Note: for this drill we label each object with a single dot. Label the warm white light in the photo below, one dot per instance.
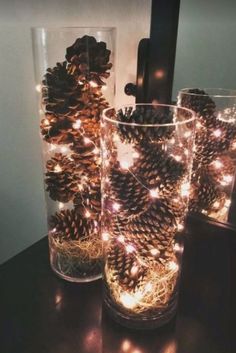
(234, 146)
(134, 271)
(228, 178)
(148, 287)
(87, 214)
(38, 88)
(77, 124)
(177, 158)
(87, 140)
(154, 193)
(186, 152)
(105, 236)
(178, 248)
(185, 189)
(216, 204)
(129, 248)
(57, 168)
(93, 84)
(64, 149)
(173, 266)
(136, 155)
(128, 300)
(96, 150)
(180, 227)
(204, 211)
(227, 202)
(154, 252)
(172, 141)
(198, 125)
(116, 206)
(61, 205)
(217, 133)
(187, 134)
(125, 164)
(126, 345)
(46, 122)
(121, 238)
(217, 164)
(104, 88)
(52, 147)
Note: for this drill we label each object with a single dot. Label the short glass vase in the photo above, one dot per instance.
(147, 153)
(74, 70)
(214, 165)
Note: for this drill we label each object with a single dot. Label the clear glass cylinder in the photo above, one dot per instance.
(75, 81)
(214, 164)
(147, 155)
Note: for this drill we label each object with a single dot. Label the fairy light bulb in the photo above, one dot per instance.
(126, 345)
(173, 266)
(128, 300)
(57, 168)
(216, 204)
(53, 147)
(38, 88)
(77, 124)
(228, 178)
(61, 205)
(121, 238)
(180, 227)
(105, 236)
(116, 206)
(154, 193)
(134, 270)
(177, 158)
(217, 133)
(129, 248)
(46, 122)
(135, 155)
(87, 140)
(198, 125)
(64, 149)
(93, 84)
(125, 164)
(148, 287)
(227, 202)
(217, 164)
(96, 150)
(87, 214)
(185, 189)
(187, 134)
(178, 248)
(154, 252)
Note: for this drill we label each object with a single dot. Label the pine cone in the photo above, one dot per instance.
(89, 59)
(57, 129)
(200, 102)
(61, 93)
(61, 178)
(90, 198)
(94, 102)
(155, 228)
(204, 194)
(125, 266)
(157, 169)
(144, 115)
(70, 225)
(132, 197)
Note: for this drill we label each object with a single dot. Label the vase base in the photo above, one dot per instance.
(77, 279)
(149, 322)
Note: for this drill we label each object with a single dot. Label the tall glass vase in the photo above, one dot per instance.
(75, 81)
(147, 153)
(214, 164)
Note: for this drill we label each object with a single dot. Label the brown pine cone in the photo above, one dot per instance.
(89, 59)
(61, 178)
(70, 225)
(61, 93)
(57, 129)
(144, 115)
(127, 271)
(132, 197)
(94, 103)
(90, 198)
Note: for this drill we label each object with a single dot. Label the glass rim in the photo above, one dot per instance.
(213, 92)
(194, 116)
(65, 28)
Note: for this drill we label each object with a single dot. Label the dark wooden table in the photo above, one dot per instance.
(40, 313)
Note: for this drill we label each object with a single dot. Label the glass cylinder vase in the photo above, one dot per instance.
(75, 81)
(214, 164)
(146, 167)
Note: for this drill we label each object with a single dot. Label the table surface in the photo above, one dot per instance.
(41, 313)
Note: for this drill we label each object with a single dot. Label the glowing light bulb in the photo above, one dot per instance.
(125, 164)
(129, 248)
(87, 214)
(148, 287)
(177, 158)
(116, 206)
(61, 205)
(154, 252)
(216, 204)
(93, 84)
(134, 271)
(172, 141)
(180, 227)
(38, 88)
(87, 140)
(57, 168)
(105, 236)
(178, 248)
(104, 87)
(154, 193)
(187, 134)
(46, 122)
(77, 124)
(185, 189)
(198, 125)
(127, 300)
(135, 155)
(173, 266)
(186, 152)
(228, 178)
(217, 133)
(64, 149)
(121, 238)
(217, 164)
(96, 150)
(53, 147)
(126, 345)
(227, 202)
